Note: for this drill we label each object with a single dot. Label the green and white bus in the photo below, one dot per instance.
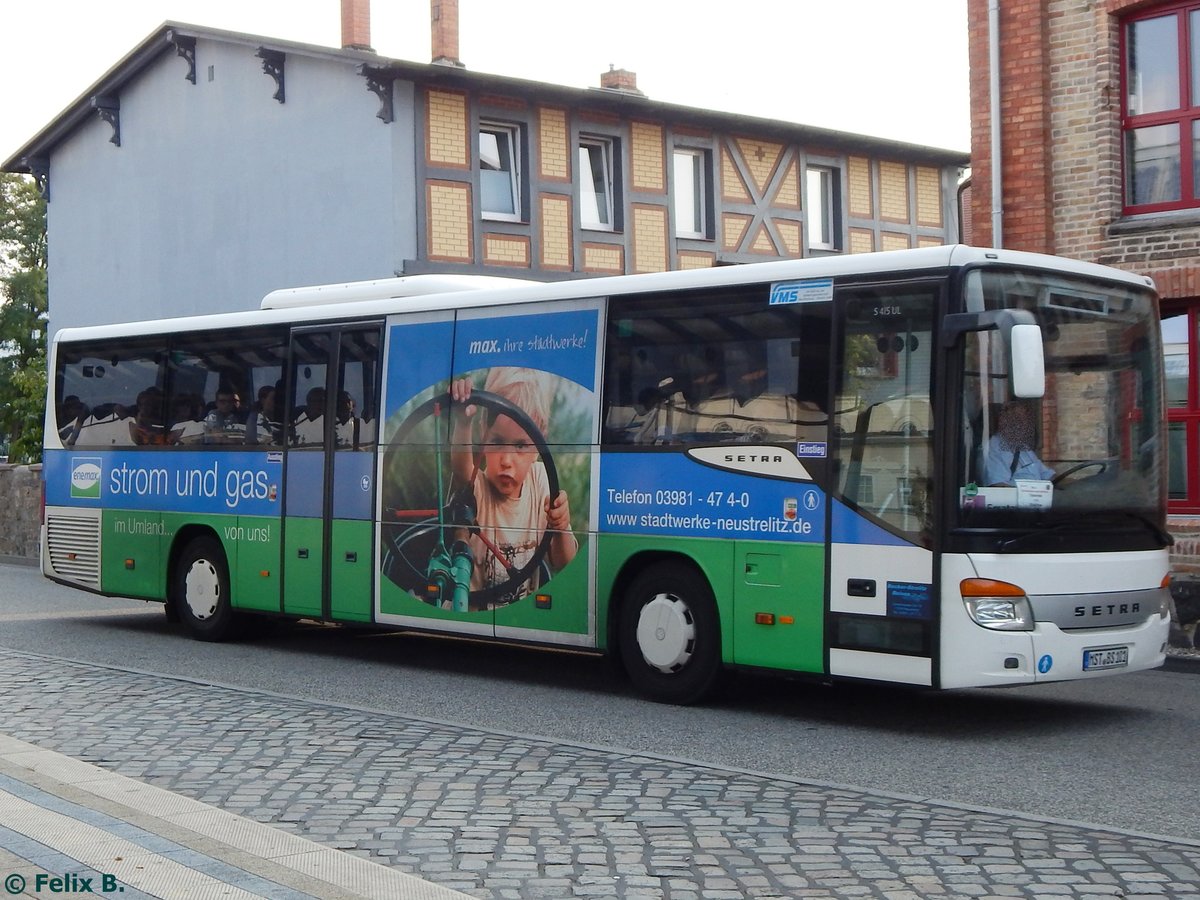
(942, 467)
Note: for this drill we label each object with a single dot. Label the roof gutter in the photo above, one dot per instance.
(994, 109)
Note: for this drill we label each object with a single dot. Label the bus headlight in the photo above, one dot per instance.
(997, 604)
(1164, 602)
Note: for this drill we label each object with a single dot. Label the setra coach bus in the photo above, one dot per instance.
(941, 467)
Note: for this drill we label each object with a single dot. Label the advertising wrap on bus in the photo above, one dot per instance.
(182, 481)
(486, 477)
(691, 496)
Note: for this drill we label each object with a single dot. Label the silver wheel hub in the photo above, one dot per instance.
(666, 633)
(202, 589)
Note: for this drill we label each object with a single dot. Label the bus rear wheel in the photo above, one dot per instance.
(200, 590)
(670, 639)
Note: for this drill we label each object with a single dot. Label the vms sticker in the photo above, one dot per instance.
(808, 290)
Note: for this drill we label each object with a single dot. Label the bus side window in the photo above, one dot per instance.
(71, 413)
(726, 367)
(356, 400)
(105, 386)
(222, 386)
(633, 398)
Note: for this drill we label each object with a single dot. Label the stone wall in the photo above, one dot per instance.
(21, 498)
(1185, 579)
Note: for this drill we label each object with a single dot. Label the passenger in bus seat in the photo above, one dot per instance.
(225, 423)
(513, 506)
(186, 425)
(264, 424)
(107, 426)
(309, 426)
(347, 427)
(632, 416)
(147, 426)
(1010, 455)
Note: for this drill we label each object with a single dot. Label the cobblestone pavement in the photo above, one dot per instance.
(499, 815)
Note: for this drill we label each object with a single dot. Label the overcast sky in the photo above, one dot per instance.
(876, 67)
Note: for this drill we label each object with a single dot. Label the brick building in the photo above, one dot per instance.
(1099, 159)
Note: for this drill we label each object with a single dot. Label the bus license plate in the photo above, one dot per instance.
(1105, 658)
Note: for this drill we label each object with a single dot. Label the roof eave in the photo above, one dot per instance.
(42, 144)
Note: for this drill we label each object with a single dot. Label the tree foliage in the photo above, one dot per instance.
(23, 306)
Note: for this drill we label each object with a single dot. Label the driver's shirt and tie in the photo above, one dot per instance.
(1005, 465)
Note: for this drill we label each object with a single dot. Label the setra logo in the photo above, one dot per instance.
(85, 477)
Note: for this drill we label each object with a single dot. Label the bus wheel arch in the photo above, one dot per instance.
(668, 630)
(199, 591)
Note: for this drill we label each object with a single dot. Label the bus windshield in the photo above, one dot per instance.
(1089, 453)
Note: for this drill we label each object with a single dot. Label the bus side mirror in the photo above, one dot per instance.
(1023, 337)
(1027, 367)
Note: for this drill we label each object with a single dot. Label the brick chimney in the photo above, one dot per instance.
(356, 25)
(443, 20)
(619, 80)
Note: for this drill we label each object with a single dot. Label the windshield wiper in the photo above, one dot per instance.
(1153, 527)
(1076, 521)
(1041, 532)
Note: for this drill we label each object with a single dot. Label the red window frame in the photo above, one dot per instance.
(1185, 115)
(1189, 415)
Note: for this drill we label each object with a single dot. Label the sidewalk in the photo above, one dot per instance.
(70, 828)
(192, 790)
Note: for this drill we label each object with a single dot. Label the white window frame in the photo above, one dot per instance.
(690, 174)
(866, 489)
(596, 212)
(508, 142)
(820, 195)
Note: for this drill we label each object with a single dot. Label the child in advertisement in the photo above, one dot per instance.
(513, 505)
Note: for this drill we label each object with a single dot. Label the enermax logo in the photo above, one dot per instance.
(85, 477)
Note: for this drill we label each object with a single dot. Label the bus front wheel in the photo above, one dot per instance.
(670, 640)
(201, 590)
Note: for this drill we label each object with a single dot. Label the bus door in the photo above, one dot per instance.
(332, 386)
(491, 416)
(882, 594)
(425, 566)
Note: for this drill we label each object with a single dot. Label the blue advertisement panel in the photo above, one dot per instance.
(246, 483)
(417, 359)
(353, 485)
(563, 344)
(851, 527)
(678, 495)
(305, 484)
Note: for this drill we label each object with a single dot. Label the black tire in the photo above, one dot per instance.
(676, 658)
(200, 590)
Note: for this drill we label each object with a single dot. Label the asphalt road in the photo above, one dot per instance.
(1119, 752)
